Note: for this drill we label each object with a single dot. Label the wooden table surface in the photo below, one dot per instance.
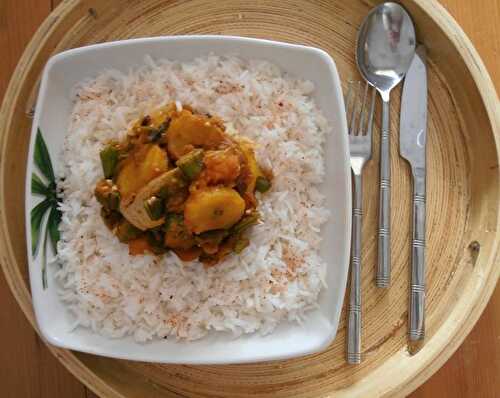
(27, 369)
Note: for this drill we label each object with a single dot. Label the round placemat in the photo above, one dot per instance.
(462, 203)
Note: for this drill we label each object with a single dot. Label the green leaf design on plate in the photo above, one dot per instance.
(37, 214)
(44, 262)
(49, 205)
(42, 157)
(53, 227)
(37, 186)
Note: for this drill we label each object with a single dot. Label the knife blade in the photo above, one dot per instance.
(412, 147)
(413, 121)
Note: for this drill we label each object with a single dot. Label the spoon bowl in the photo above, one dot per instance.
(386, 46)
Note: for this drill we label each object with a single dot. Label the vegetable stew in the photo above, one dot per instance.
(180, 182)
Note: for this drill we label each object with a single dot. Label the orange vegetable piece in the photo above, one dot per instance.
(188, 254)
(139, 246)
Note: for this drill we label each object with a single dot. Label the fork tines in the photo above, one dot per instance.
(360, 121)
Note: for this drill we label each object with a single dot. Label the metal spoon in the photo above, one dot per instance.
(385, 49)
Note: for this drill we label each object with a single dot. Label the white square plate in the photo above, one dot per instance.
(52, 112)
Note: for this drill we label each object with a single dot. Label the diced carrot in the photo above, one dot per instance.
(188, 254)
(139, 246)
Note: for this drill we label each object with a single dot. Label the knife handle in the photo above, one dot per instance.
(417, 288)
(384, 220)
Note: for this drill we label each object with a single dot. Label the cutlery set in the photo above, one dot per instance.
(386, 54)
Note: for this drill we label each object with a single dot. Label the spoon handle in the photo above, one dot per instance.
(384, 225)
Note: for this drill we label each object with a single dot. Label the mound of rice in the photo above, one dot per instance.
(277, 278)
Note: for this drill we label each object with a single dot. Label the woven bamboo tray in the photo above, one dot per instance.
(463, 196)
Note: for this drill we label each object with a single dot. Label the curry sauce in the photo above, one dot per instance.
(180, 182)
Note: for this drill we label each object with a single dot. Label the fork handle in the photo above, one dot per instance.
(354, 321)
(384, 221)
(417, 287)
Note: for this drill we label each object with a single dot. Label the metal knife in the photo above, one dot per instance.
(412, 144)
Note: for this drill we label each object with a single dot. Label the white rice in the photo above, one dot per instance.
(277, 278)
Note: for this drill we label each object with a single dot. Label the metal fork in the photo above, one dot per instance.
(360, 145)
